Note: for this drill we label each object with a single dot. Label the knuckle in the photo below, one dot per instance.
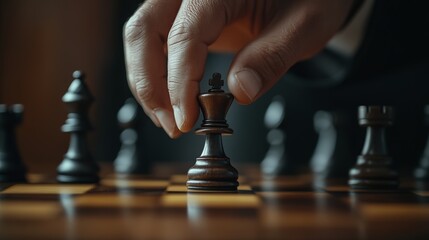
(186, 26)
(174, 85)
(180, 33)
(274, 59)
(132, 30)
(144, 92)
(135, 27)
(189, 24)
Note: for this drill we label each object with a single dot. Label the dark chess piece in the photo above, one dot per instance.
(332, 155)
(373, 169)
(276, 162)
(129, 159)
(422, 171)
(78, 166)
(12, 168)
(212, 170)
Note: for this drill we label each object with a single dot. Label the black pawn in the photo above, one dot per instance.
(276, 161)
(12, 168)
(78, 166)
(129, 159)
(373, 169)
(422, 171)
(212, 170)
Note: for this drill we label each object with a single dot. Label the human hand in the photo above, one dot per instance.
(166, 44)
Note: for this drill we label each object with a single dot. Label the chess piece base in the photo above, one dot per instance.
(82, 170)
(14, 178)
(212, 173)
(12, 169)
(77, 179)
(373, 184)
(212, 185)
(373, 172)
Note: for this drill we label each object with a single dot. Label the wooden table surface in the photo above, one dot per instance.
(149, 207)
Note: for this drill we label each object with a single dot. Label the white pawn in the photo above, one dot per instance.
(276, 161)
(129, 159)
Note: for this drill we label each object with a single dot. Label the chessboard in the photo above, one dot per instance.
(159, 206)
(137, 198)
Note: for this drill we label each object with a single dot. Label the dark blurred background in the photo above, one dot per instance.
(43, 42)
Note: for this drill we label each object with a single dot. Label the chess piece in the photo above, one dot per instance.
(373, 169)
(212, 170)
(422, 171)
(129, 159)
(276, 162)
(331, 157)
(12, 168)
(78, 166)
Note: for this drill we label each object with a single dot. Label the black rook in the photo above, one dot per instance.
(374, 166)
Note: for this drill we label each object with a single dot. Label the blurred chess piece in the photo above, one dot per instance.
(212, 170)
(78, 166)
(276, 162)
(373, 169)
(129, 159)
(422, 171)
(12, 168)
(332, 155)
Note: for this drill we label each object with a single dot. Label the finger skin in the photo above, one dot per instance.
(280, 34)
(298, 31)
(145, 34)
(197, 25)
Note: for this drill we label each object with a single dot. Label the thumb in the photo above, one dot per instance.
(295, 37)
(258, 66)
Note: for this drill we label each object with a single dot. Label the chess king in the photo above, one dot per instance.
(212, 170)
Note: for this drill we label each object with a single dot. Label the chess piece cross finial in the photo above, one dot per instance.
(216, 82)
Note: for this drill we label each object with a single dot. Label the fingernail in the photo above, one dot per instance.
(165, 118)
(249, 82)
(178, 115)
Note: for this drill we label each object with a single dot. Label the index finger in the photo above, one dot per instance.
(197, 25)
(144, 39)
